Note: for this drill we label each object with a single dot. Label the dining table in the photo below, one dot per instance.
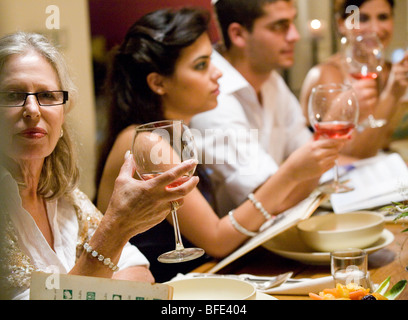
(390, 261)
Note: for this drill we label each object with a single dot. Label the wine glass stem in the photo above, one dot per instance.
(177, 235)
(336, 173)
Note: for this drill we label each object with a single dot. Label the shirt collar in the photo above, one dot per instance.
(231, 80)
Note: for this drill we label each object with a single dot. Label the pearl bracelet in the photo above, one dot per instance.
(259, 206)
(240, 228)
(106, 261)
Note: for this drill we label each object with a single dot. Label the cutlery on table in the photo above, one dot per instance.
(260, 283)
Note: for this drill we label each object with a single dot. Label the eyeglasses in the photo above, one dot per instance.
(45, 98)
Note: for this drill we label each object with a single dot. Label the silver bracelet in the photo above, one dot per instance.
(240, 228)
(106, 261)
(259, 206)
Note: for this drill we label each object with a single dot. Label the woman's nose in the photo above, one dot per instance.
(32, 108)
(216, 74)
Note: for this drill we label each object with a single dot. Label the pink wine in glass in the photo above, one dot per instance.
(362, 76)
(333, 130)
(174, 184)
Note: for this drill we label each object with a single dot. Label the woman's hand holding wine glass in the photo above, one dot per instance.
(364, 58)
(333, 114)
(157, 148)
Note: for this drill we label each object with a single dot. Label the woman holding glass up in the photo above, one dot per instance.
(379, 96)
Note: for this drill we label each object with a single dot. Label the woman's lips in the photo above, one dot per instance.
(216, 91)
(33, 133)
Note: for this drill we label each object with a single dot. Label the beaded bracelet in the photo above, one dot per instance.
(240, 228)
(106, 261)
(259, 206)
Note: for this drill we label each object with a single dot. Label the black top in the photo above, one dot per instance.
(160, 239)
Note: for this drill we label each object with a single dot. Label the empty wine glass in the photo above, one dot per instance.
(158, 147)
(333, 113)
(364, 57)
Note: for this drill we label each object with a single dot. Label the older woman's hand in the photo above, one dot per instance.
(137, 206)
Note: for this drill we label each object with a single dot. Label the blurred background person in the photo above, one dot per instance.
(381, 97)
(259, 39)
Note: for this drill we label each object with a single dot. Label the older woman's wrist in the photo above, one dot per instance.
(109, 239)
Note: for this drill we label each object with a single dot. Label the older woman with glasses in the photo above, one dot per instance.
(47, 222)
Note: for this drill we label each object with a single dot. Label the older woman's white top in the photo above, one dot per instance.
(25, 243)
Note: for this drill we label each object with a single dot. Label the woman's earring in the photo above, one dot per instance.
(62, 133)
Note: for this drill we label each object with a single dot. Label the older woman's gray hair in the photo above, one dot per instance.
(60, 173)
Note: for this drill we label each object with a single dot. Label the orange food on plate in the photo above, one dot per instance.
(350, 291)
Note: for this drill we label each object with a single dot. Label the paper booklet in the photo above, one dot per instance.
(377, 182)
(54, 286)
(283, 222)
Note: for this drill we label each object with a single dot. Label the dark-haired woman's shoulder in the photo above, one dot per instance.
(113, 164)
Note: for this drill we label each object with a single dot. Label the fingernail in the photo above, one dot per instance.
(127, 154)
(191, 162)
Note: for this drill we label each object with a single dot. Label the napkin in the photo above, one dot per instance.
(303, 287)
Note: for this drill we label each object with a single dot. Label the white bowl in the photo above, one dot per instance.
(332, 232)
(212, 288)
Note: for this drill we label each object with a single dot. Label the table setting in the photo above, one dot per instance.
(309, 269)
(269, 285)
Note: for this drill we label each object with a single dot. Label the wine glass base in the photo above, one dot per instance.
(183, 255)
(335, 188)
(375, 123)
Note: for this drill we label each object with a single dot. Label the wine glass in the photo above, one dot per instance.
(364, 57)
(158, 147)
(333, 113)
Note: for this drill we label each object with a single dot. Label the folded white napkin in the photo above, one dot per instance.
(303, 287)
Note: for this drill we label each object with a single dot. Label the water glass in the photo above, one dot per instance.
(350, 266)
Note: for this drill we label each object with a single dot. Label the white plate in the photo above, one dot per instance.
(212, 288)
(289, 245)
(264, 296)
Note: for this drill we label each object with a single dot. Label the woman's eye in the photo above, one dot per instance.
(384, 17)
(201, 65)
(364, 18)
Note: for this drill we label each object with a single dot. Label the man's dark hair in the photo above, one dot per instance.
(244, 12)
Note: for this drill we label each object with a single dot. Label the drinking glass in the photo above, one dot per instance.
(350, 266)
(364, 57)
(158, 147)
(333, 114)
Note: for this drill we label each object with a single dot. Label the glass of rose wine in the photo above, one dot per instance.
(364, 57)
(333, 113)
(158, 147)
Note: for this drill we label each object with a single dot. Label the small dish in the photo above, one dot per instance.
(332, 232)
(289, 245)
(212, 288)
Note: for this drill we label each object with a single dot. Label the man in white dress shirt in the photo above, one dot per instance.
(258, 123)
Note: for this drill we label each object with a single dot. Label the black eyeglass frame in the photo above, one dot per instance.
(65, 98)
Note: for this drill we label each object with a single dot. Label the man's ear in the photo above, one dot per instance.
(155, 82)
(237, 34)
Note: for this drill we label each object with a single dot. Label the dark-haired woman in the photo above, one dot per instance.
(380, 97)
(163, 70)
